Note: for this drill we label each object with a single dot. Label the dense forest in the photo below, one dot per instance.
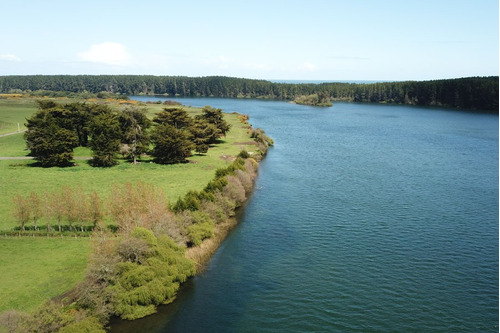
(474, 93)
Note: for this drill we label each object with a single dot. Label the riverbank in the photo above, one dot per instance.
(202, 253)
(201, 220)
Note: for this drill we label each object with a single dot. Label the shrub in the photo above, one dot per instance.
(11, 320)
(245, 179)
(49, 318)
(145, 235)
(138, 287)
(234, 190)
(198, 232)
(244, 154)
(134, 250)
(227, 205)
(215, 212)
(215, 185)
(86, 325)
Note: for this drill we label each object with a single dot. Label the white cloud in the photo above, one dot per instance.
(258, 66)
(9, 57)
(307, 66)
(220, 62)
(108, 53)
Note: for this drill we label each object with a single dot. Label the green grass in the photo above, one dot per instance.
(37, 269)
(13, 112)
(13, 145)
(20, 176)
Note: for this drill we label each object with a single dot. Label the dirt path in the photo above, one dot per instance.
(4, 158)
(12, 133)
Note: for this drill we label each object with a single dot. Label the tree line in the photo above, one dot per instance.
(56, 129)
(480, 93)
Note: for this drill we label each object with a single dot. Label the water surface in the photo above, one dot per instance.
(365, 218)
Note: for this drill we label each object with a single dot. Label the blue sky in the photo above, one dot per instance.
(270, 39)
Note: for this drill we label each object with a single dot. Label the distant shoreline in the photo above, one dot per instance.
(470, 93)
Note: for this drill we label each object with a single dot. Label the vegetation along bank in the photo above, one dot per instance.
(138, 238)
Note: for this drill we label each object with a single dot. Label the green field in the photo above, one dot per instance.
(37, 269)
(32, 267)
(13, 112)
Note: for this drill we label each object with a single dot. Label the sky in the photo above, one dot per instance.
(327, 40)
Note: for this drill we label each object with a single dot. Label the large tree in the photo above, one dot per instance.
(176, 117)
(171, 145)
(134, 124)
(80, 115)
(50, 136)
(202, 134)
(214, 116)
(105, 138)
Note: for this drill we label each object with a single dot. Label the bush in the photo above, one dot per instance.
(246, 180)
(138, 287)
(87, 325)
(215, 212)
(198, 232)
(11, 320)
(215, 185)
(234, 190)
(51, 317)
(244, 154)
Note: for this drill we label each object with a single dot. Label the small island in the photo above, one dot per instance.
(319, 99)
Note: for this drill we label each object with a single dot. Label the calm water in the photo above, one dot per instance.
(365, 218)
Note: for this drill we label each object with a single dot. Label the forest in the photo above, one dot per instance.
(472, 93)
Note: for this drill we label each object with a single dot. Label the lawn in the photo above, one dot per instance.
(14, 111)
(36, 269)
(13, 145)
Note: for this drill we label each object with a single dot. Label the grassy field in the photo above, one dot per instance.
(14, 111)
(37, 269)
(13, 145)
(34, 270)
(20, 176)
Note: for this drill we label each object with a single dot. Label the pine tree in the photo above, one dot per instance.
(171, 145)
(105, 139)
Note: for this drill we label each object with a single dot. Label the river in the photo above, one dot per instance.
(365, 218)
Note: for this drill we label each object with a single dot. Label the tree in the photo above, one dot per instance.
(35, 208)
(50, 138)
(71, 209)
(81, 115)
(214, 116)
(96, 211)
(176, 117)
(56, 207)
(203, 133)
(21, 210)
(105, 139)
(134, 124)
(171, 145)
(82, 207)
